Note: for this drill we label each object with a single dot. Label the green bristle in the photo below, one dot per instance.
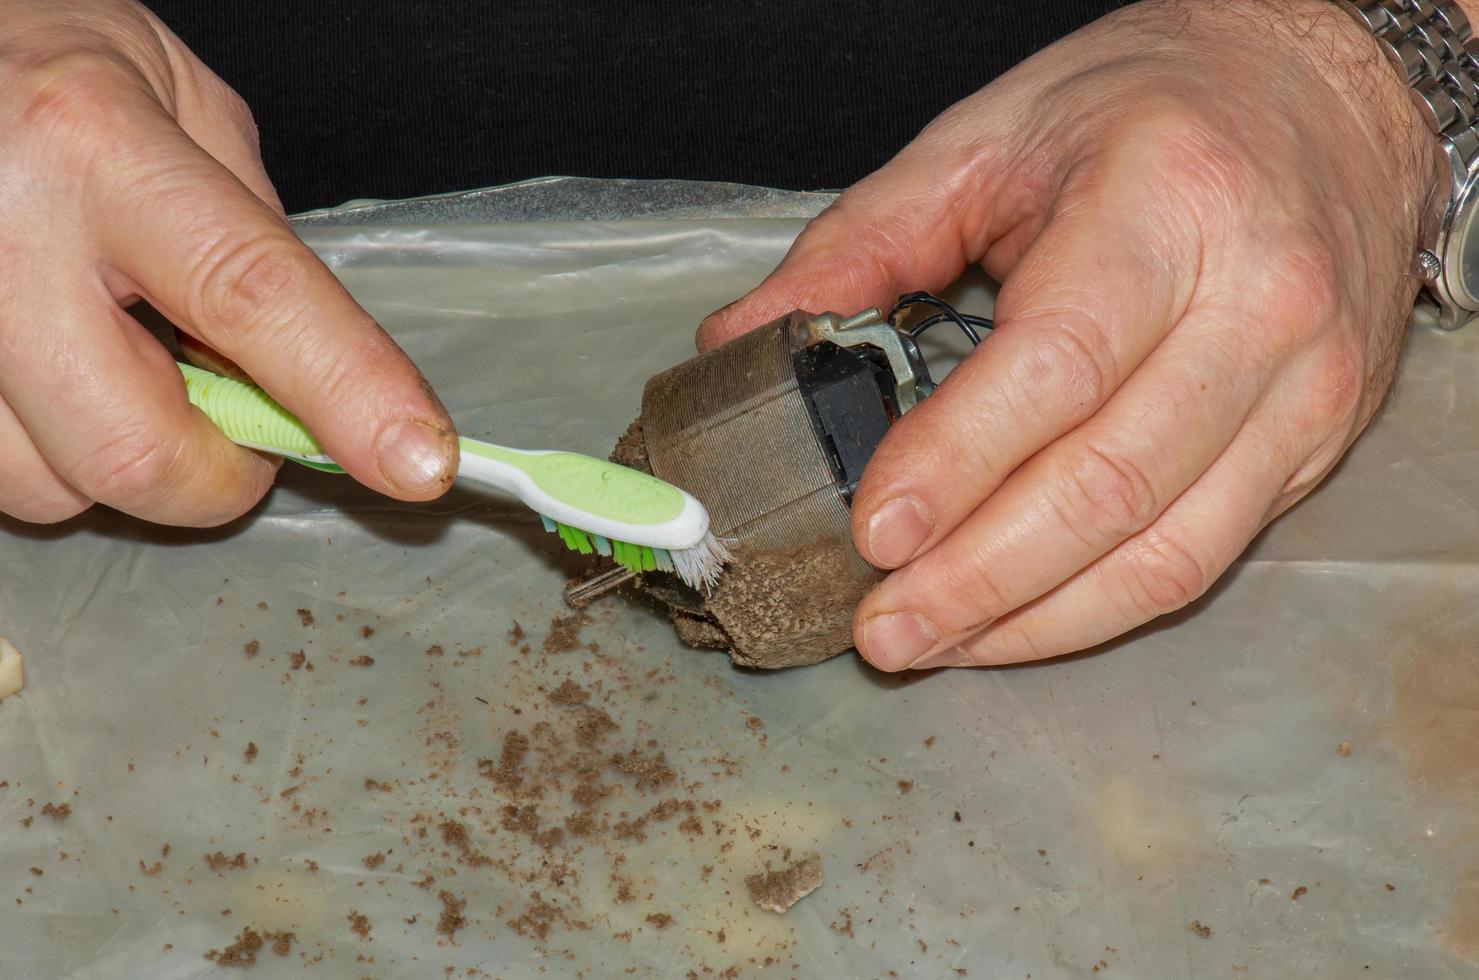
(575, 539)
(636, 557)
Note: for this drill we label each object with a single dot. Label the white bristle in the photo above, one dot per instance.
(603, 545)
(700, 565)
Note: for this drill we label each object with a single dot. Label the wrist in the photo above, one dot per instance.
(1369, 98)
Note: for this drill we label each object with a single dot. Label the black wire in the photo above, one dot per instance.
(966, 322)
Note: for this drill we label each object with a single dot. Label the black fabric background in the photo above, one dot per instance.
(396, 98)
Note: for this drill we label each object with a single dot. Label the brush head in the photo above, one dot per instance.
(699, 566)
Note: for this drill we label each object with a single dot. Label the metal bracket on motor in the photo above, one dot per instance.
(870, 329)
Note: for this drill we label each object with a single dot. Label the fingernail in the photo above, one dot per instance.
(719, 312)
(893, 641)
(898, 531)
(953, 657)
(414, 456)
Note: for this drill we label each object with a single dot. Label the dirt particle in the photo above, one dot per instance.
(452, 919)
(251, 648)
(593, 727)
(779, 890)
(367, 631)
(250, 753)
(753, 723)
(362, 661)
(473, 652)
(1203, 932)
(435, 650)
(651, 772)
(537, 918)
(151, 870)
(569, 693)
(359, 924)
(564, 632)
(520, 819)
(506, 772)
(516, 634)
(929, 743)
(1343, 749)
(242, 953)
(220, 862)
(57, 811)
(306, 616)
(660, 920)
(373, 861)
(1391, 887)
(906, 785)
(298, 660)
(1298, 893)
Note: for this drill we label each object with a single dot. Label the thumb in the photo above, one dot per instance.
(913, 224)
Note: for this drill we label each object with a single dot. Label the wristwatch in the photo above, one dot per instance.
(1432, 46)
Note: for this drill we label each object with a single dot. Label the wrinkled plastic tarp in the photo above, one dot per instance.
(1279, 782)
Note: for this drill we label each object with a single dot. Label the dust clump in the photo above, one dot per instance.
(564, 632)
(777, 891)
(569, 693)
(452, 919)
(242, 954)
(220, 862)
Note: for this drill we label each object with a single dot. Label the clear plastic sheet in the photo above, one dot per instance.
(1277, 783)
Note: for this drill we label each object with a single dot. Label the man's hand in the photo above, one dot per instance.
(1204, 218)
(128, 170)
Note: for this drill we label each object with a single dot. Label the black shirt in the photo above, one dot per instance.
(397, 98)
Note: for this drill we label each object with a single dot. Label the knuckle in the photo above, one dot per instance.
(1006, 643)
(1107, 496)
(1076, 361)
(1163, 575)
(237, 109)
(1173, 139)
(1337, 385)
(970, 593)
(247, 285)
(70, 93)
(130, 471)
(1302, 284)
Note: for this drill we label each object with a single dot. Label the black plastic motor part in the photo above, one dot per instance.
(852, 398)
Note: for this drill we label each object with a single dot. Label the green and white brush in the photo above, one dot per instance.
(595, 506)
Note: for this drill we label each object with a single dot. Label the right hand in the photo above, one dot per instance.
(128, 170)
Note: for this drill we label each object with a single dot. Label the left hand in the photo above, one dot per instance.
(1203, 217)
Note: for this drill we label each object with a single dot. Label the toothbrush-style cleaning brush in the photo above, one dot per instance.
(595, 506)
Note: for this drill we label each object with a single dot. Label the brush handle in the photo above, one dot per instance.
(592, 494)
(249, 417)
(588, 493)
